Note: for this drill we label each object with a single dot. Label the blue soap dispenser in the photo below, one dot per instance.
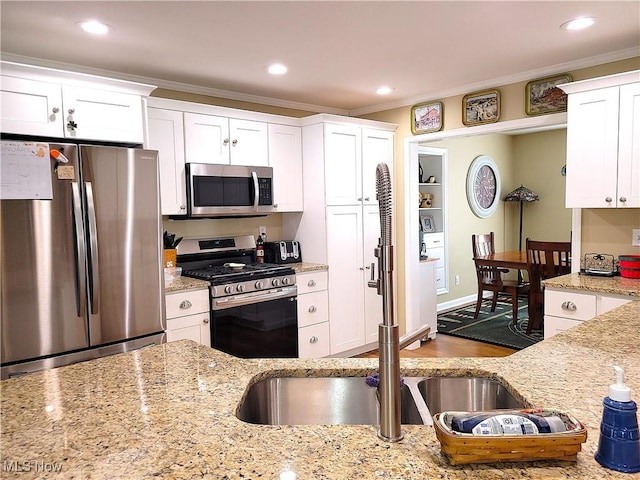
(619, 444)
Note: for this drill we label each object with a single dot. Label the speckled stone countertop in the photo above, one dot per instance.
(607, 285)
(304, 267)
(185, 283)
(169, 412)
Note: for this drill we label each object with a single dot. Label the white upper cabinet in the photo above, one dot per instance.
(166, 136)
(377, 147)
(31, 107)
(102, 115)
(45, 102)
(343, 165)
(285, 157)
(215, 139)
(603, 143)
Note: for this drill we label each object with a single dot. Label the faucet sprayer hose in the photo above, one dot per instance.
(383, 192)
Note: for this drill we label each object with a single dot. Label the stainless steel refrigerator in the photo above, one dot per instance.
(81, 269)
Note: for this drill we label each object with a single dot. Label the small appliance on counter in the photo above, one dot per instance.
(599, 264)
(282, 252)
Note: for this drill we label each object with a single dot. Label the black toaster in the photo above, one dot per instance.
(282, 252)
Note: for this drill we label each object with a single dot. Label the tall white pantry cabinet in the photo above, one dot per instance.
(340, 225)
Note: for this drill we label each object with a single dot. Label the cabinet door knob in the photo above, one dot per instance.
(312, 309)
(569, 306)
(359, 199)
(275, 205)
(608, 199)
(311, 283)
(55, 109)
(623, 199)
(183, 207)
(72, 111)
(366, 199)
(225, 142)
(234, 142)
(185, 304)
(313, 339)
(205, 320)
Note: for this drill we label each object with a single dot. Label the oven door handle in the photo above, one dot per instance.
(250, 298)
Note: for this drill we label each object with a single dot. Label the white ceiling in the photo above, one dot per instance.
(338, 53)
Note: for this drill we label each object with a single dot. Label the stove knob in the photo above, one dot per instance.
(259, 285)
(286, 281)
(228, 289)
(240, 288)
(275, 282)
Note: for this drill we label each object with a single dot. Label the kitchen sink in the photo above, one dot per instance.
(350, 401)
(319, 401)
(465, 394)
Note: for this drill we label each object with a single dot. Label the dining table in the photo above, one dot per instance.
(516, 260)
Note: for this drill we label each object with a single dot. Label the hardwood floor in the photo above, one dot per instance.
(448, 346)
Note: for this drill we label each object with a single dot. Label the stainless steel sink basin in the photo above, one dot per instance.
(350, 401)
(319, 401)
(465, 394)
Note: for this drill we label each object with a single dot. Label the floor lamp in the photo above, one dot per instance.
(521, 194)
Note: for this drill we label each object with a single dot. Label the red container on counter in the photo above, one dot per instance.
(629, 266)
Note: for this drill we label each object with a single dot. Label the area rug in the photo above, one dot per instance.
(491, 327)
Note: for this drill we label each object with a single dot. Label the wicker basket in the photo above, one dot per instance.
(462, 448)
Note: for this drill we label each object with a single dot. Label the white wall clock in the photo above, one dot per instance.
(483, 186)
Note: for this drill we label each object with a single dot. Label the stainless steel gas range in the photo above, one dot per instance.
(253, 305)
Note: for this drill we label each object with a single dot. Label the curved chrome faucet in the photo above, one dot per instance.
(389, 343)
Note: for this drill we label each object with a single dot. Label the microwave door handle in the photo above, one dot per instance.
(81, 280)
(256, 193)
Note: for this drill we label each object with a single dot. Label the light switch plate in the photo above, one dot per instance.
(635, 240)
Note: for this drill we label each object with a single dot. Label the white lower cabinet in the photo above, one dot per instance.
(564, 309)
(313, 314)
(428, 297)
(188, 316)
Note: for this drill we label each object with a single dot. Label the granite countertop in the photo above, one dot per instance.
(185, 283)
(607, 285)
(169, 412)
(304, 267)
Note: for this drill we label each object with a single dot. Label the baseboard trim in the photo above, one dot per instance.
(458, 302)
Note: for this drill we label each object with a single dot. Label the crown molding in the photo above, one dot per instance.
(169, 85)
(506, 80)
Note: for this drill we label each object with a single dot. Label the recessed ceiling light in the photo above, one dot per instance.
(384, 90)
(277, 69)
(95, 27)
(578, 23)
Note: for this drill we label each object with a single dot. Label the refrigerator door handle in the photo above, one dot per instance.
(94, 278)
(80, 250)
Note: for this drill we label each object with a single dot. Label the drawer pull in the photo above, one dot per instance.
(313, 339)
(312, 309)
(311, 283)
(185, 304)
(569, 306)
(205, 320)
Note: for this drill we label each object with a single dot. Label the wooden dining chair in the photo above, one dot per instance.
(490, 278)
(544, 260)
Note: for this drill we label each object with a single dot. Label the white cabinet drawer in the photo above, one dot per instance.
(187, 303)
(311, 281)
(434, 241)
(553, 325)
(572, 305)
(313, 308)
(437, 253)
(313, 341)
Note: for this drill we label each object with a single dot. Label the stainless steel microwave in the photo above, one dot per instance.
(215, 190)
